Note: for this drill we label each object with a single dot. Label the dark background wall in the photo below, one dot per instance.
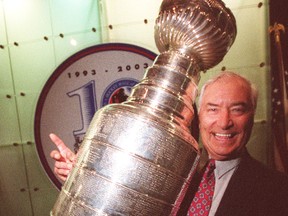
(279, 82)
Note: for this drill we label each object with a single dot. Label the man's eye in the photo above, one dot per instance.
(212, 109)
(238, 110)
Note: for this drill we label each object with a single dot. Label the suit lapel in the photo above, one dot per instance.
(239, 191)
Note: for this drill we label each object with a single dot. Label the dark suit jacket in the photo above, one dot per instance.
(254, 190)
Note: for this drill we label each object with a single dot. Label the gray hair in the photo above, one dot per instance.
(253, 89)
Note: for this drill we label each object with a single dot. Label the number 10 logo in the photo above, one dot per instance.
(83, 83)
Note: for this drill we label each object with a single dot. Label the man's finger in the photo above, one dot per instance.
(63, 166)
(71, 156)
(61, 174)
(59, 143)
(55, 154)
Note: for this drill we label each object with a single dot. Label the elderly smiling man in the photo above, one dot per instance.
(241, 185)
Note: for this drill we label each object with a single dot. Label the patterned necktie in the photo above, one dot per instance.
(203, 198)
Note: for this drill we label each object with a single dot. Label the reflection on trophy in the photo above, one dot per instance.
(138, 157)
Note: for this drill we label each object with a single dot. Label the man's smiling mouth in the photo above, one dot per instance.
(223, 136)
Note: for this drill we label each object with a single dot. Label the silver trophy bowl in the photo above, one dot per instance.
(138, 157)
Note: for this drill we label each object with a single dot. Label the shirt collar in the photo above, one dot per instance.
(223, 167)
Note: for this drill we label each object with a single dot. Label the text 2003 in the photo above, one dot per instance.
(132, 67)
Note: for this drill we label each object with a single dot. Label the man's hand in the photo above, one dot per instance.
(64, 158)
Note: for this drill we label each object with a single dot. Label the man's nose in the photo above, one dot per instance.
(224, 120)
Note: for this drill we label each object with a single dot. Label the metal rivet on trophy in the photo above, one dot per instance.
(138, 157)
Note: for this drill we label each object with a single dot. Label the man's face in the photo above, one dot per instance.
(226, 118)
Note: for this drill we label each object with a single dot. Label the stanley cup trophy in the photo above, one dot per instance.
(138, 157)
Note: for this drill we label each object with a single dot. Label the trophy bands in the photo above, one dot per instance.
(138, 157)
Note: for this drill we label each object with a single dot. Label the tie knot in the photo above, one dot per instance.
(211, 164)
(210, 167)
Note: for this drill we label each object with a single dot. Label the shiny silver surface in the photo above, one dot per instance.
(138, 157)
(203, 30)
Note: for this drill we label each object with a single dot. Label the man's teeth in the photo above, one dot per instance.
(223, 135)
